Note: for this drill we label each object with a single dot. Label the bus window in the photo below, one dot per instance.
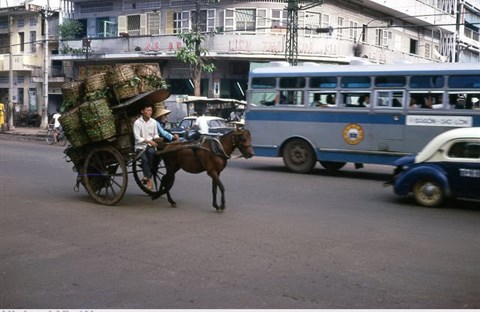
(321, 99)
(466, 81)
(356, 99)
(390, 81)
(292, 82)
(463, 100)
(427, 82)
(291, 98)
(263, 98)
(356, 82)
(392, 99)
(426, 99)
(323, 82)
(263, 83)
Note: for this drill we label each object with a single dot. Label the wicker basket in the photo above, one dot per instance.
(95, 82)
(97, 120)
(125, 91)
(144, 70)
(73, 93)
(77, 156)
(121, 74)
(73, 127)
(101, 129)
(146, 86)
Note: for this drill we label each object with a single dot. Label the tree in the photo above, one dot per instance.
(192, 53)
(70, 29)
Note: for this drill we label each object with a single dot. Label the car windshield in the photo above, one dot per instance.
(217, 123)
(186, 123)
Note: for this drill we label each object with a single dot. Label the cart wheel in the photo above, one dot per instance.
(158, 171)
(105, 175)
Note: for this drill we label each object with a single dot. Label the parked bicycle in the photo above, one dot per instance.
(61, 139)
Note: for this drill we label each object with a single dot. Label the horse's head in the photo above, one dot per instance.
(242, 140)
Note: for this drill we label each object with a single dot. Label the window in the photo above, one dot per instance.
(21, 39)
(467, 81)
(356, 99)
(291, 98)
(20, 22)
(382, 37)
(133, 25)
(263, 83)
(33, 21)
(428, 51)
(464, 150)
(389, 99)
(425, 99)
(322, 99)
(353, 30)
(364, 33)
(355, 82)
(340, 26)
(292, 82)
(245, 20)
(33, 43)
(153, 20)
(413, 46)
(418, 82)
(206, 20)
(323, 82)
(390, 81)
(279, 19)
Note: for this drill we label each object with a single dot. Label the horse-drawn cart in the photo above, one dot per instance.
(103, 166)
(99, 111)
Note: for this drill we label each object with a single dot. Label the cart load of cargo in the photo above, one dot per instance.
(98, 112)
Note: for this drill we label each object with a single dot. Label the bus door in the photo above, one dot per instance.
(388, 120)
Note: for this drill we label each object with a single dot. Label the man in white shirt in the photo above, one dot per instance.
(145, 132)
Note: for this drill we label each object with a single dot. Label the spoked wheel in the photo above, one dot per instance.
(299, 156)
(49, 137)
(332, 166)
(105, 175)
(158, 171)
(428, 193)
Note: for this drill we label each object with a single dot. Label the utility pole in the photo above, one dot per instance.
(291, 49)
(44, 112)
(10, 77)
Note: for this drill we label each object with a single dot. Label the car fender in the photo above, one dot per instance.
(404, 183)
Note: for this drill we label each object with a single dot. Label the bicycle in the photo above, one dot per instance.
(50, 136)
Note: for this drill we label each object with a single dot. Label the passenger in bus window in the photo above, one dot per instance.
(396, 103)
(363, 101)
(427, 102)
(331, 99)
(460, 103)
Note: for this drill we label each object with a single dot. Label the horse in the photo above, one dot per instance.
(207, 154)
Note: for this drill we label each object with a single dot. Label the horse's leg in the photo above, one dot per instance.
(165, 186)
(168, 187)
(216, 182)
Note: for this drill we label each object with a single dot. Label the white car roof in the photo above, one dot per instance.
(436, 143)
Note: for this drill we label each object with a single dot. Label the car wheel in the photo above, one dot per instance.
(428, 193)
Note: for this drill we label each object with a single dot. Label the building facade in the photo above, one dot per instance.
(240, 35)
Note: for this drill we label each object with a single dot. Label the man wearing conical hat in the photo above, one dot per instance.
(160, 115)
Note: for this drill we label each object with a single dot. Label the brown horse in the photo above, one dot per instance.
(207, 154)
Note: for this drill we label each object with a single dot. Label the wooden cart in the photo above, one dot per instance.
(103, 167)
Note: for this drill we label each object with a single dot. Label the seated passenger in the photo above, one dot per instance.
(363, 101)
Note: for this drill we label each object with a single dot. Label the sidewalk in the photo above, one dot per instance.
(33, 132)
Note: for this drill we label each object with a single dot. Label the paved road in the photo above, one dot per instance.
(285, 241)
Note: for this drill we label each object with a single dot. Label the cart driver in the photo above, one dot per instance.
(145, 132)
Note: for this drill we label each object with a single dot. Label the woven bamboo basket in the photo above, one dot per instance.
(121, 74)
(101, 129)
(145, 86)
(125, 91)
(73, 92)
(95, 82)
(73, 127)
(144, 70)
(97, 120)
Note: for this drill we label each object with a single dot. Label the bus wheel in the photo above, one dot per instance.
(298, 156)
(428, 193)
(332, 166)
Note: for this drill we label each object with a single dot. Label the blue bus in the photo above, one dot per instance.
(361, 114)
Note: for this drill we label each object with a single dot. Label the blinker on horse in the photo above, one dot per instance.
(208, 154)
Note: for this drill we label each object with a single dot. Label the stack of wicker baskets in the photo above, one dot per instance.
(150, 77)
(73, 94)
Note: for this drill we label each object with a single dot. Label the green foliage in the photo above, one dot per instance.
(70, 29)
(192, 53)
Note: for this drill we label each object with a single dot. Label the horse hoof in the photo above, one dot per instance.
(174, 205)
